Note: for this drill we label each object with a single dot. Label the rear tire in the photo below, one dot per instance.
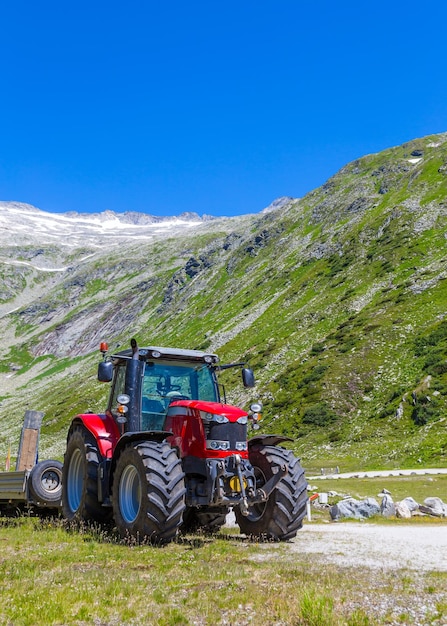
(148, 493)
(45, 483)
(282, 515)
(80, 479)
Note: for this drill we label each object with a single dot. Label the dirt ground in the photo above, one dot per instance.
(403, 546)
(418, 547)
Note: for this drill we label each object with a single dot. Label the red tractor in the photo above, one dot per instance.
(168, 454)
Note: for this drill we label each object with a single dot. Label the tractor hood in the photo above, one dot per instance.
(232, 413)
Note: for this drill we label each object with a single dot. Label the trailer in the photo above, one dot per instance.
(34, 484)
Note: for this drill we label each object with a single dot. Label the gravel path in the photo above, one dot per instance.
(417, 547)
(375, 546)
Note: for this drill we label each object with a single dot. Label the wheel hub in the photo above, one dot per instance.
(130, 494)
(75, 482)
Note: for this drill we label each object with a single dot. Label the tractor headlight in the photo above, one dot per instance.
(256, 407)
(213, 417)
(220, 419)
(241, 446)
(214, 444)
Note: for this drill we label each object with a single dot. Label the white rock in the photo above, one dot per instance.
(402, 510)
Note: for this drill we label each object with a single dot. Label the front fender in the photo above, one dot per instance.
(103, 428)
(144, 435)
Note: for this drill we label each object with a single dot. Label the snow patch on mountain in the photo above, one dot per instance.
(28, 224)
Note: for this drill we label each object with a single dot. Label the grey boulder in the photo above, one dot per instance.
(356, 509)
(387, 507)
(403, 510)
(434, 506)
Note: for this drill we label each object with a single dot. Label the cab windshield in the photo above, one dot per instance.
(165, 382)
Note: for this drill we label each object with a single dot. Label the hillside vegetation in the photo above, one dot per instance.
(337, 300)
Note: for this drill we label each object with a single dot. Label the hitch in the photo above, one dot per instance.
(244, 502)
(218, 475)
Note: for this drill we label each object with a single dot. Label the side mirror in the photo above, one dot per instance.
(105, 371)
(248, 378)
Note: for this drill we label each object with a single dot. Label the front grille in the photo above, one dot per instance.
(231, 432)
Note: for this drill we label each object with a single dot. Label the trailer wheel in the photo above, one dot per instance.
(148, 493)
(80, 479)
(206, 519)
(282, 515)
(45, 483)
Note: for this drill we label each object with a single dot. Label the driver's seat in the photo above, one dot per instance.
(153, 414)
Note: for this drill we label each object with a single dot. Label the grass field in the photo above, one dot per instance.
(53, 574)
(418, 487)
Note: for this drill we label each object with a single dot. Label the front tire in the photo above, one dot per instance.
(148, 494)
(282, 515)
(80, 479)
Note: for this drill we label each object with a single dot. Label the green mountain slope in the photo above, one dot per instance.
(337, 300)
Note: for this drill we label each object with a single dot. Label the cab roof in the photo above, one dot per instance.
(175, 354)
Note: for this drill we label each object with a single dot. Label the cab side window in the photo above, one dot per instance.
(118, 385)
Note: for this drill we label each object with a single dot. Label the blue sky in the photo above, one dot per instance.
(217, 108)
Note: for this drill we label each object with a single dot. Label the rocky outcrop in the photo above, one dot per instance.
(279, 203)
(261, 240)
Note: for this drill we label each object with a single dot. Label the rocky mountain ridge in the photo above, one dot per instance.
(26, 224)
(29, 225)
(336, 299)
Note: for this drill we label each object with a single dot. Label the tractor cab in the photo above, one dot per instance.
(145, 381)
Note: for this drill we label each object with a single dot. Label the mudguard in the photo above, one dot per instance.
(267, 440)
(103, 428)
